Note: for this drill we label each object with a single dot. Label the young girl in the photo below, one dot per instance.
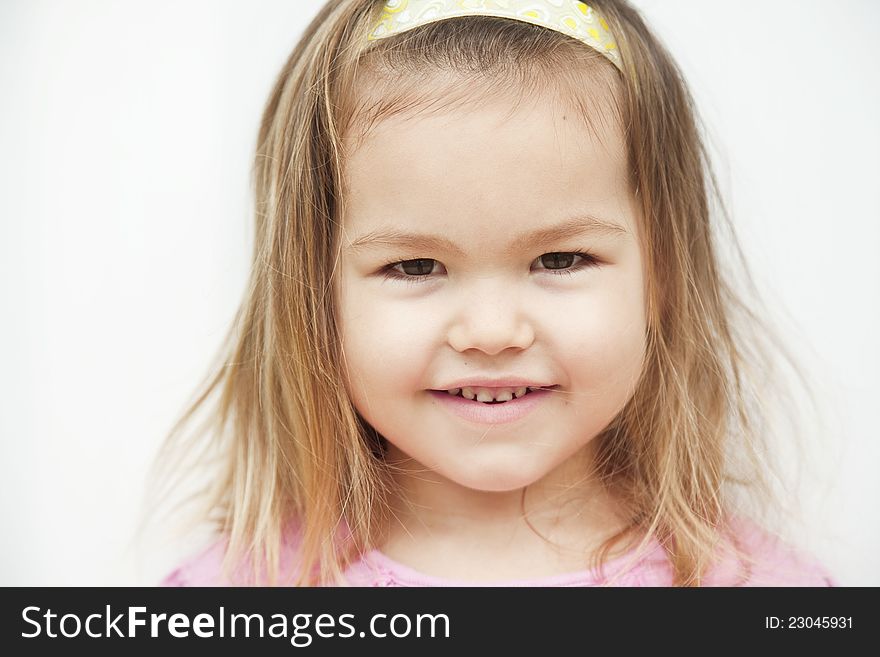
(487, 338)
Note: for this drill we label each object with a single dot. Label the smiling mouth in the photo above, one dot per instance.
(460, 395)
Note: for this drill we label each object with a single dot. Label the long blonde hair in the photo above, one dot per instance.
(282, 439)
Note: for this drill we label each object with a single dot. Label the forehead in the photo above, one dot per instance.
(446, 153)
(591, 93)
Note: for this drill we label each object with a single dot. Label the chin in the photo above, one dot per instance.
(496, 480)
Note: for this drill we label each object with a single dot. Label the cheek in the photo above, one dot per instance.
(605, 344)
(385, 343)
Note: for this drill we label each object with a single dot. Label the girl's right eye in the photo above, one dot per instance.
(413, 271)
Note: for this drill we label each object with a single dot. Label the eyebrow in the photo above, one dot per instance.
(573, 227)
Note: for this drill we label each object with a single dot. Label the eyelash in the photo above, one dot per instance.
(588, 261)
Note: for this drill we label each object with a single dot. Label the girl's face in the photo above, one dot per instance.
(484, 206)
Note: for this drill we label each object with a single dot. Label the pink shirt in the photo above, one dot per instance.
(777, 564)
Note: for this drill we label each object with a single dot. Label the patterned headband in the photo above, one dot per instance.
(570, 17)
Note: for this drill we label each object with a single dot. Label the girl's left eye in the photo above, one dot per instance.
(557, 263)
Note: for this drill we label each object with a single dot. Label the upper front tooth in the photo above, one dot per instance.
(484, 396)
(489, 394)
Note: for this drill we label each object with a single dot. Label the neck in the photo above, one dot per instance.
(558, 520)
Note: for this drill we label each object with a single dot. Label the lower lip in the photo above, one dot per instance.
(510, 411)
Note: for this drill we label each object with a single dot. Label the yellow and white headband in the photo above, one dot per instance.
(571, 17)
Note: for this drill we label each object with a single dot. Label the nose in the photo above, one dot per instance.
(491, 318)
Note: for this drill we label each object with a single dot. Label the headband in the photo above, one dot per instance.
(570, 17)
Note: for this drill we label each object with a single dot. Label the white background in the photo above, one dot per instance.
(126, 132)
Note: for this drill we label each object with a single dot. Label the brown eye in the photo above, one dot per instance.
(568, 263)
(557, 260)
(420, 267)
